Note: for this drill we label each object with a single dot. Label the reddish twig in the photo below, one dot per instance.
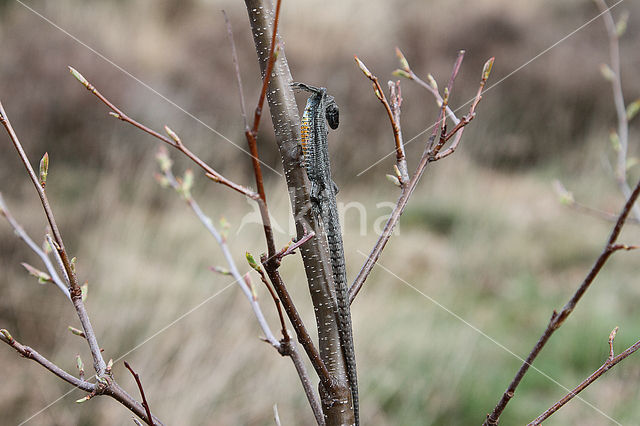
(608, 364)
(271, 267)
(272, 261)
(293, 245)
(145, 404)
(557, 319)
(431, 154)
(394, 115)
(173, 139)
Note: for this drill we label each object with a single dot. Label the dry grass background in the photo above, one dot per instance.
(484, 235)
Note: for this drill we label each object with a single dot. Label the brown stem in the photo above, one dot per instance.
(107, 386)
(32, 354)
(557, 319)
(608, 364)
(145, 404)
(290, 350)
(74, 288)
(174, 141)
(271, 267)
(394, 114)
(430, 155)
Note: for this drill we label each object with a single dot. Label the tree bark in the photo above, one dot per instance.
(315, 253)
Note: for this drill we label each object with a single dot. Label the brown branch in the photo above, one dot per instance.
(74, 288)
(32, 354)
(394, 115)
(557, 319)
(430, 155)
(272, 262)
(608, 364)
(290, 350)
(145, 404)
(252, 134)
(105, 386)
(327, 362)
(271, 267)
(173, 140)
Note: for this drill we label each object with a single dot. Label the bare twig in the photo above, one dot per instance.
(609, 363)
(105, 385)
(74, 288)
(432, 86)
(618, 97)
(165, 166)
(22, 234)
(32, 354)
(271, 267)
(566, 198)
(394, 115)
(430, 155)
(173, 140)
(557, 319)
(145, 404)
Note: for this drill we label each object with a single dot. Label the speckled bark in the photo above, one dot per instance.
(315, 254)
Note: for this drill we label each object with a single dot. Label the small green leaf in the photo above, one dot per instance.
(110, 364)
(607, 72)
(621, 25)
(615, 141)
(85, 290)
(76, 331)
(73, 264)
(401, 73)
(363, 67)
(79, 76)
(252, 262)
(44, 169)
(486, 69)
(632, 109)
(80, 365)
(81, 400)
(220, 270)
(42, 277)
(162, 180)
(6, 335)
(632, 162)
(394, 180)
(403, 61)
(173, 135)
(187, 184)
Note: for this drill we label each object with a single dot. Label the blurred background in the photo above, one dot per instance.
(484, 235)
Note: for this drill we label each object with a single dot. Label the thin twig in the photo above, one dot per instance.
(608, 364)
(165, 165)
(74, 288)
(173, 140)
(557, 319)
(32, 354)
(236, 67)
(566, 198)
(252, 134)
(432, 87)
(430, 155)
(145, 404)
(618, 98)
(401, 160)
(271, 267)
(22, 234)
